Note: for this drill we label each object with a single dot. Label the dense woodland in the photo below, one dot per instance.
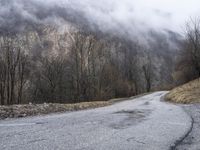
(45, 64)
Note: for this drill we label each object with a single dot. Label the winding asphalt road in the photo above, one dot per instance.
(145, 123)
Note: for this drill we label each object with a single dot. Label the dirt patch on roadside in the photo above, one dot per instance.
(17, 111)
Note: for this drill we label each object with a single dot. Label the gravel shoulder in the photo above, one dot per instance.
(192, 141)
(21, 111)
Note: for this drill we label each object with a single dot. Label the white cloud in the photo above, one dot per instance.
(170, 14)
(110, 15)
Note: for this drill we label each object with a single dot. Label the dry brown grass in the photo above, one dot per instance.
(16, 111)
(187, 93)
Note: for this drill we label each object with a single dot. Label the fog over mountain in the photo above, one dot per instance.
(80, 50)
(119, 16)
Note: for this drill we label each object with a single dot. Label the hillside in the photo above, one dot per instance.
(187, 93)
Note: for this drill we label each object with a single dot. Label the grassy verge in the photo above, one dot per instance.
(187, 93)
(17, 111)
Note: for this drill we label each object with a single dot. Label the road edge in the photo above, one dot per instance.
(181, 139)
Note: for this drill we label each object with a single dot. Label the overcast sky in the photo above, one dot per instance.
(127, 16)
(170, 14)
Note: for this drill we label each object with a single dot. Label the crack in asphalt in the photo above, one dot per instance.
(133, 139)
(35, 141)
(178, 142)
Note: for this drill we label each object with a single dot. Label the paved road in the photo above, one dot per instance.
(144, 123)
(192, 141)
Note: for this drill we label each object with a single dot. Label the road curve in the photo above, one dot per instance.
(145, 123)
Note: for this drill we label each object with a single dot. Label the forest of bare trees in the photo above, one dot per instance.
(14, 71)
(46, 65)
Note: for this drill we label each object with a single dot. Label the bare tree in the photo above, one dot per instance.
(13, 62)
(148, 73)
(193, 42)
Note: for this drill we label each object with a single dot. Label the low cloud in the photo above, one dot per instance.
(117, 16)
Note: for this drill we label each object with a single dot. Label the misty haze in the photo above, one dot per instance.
(99, 75)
